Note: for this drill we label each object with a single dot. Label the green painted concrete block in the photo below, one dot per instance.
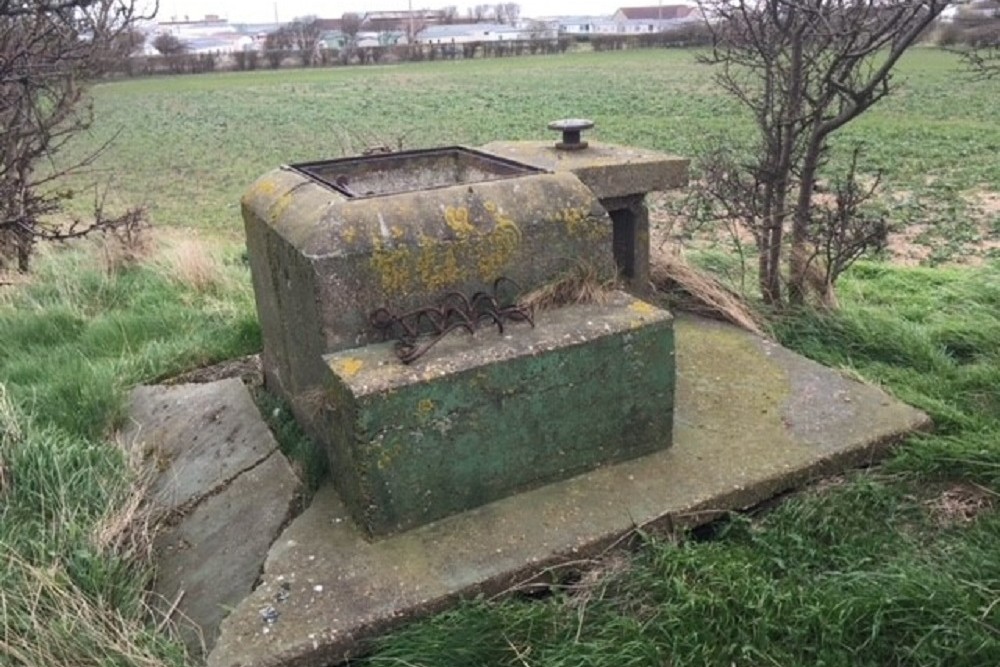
(482, 417)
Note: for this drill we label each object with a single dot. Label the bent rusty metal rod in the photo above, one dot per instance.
(454, 311)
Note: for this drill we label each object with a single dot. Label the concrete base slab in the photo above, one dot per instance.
(225, 490)
(210, 561)
(751, 420)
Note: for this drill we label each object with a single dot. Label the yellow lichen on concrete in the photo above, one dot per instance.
(392, 266)
(280, 206)
(349, 367)
(437, 265)
(388, 455)
(642, 308)
(499, 245)
(579, 223)
(262, 188)
(457, 219)
(425, 410)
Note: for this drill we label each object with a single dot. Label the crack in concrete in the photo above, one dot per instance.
(177, 514)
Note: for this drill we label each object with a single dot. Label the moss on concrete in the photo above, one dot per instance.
(480, 418)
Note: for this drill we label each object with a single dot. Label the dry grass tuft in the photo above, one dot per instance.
(11, 435)
(695, 291)
(12, 279)
(10, 424)
(48, 620)
(126, 246)
(960, 504)
(129, 525)
(191, 263)
(595, 579)
(583, 283)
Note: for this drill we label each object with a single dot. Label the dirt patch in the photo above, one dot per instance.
(907, 247)
(971, 241)
(986, 204)
(248, 369)
(960, 504)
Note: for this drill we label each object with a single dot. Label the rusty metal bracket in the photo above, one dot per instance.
(417, 331)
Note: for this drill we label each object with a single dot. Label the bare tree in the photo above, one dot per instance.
(983, 38)
(805, 69)
(169, 45)
(350, 25)
(302, 35)
(49, 51)
(481, 13)
(128, 43)
(984, 61)
(507, 12)
(449, 15)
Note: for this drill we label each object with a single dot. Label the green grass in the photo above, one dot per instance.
(73, 343)
(861, 573)
(189, 146)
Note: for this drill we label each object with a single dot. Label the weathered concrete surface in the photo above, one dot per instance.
(213, 557)
(481, 417)
(752, 419)
(320, 263)
(197, 437)
(608, 170)
(225, 490)
(407, 171)
(621, 177)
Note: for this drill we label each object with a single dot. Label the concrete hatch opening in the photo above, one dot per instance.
(409, 171)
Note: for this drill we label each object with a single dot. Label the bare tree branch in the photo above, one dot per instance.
(805, 69)
(49, 52)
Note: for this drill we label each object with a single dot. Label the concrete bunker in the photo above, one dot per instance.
(479, 417)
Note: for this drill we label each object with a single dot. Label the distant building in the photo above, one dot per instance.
(211, 34)
(656, 18)
(471, 32)
(402, 20)
(581, 25)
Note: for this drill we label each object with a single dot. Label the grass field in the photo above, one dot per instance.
(188, 146)
(892, 566)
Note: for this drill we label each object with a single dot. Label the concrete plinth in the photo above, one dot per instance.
(479, 418)
(751, 420)
(620, 177)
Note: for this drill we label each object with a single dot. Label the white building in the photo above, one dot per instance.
(581, 25)
(655, 18)
(471, 32)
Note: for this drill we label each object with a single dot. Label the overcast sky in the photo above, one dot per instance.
(263, 10)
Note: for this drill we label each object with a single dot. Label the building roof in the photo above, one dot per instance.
(329, 24)
(403, 15)
(460, 30)
(656, 12)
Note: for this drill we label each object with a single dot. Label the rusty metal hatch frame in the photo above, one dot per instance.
(336, 173)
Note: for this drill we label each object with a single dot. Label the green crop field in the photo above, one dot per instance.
(187, 147)
(897, 565)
